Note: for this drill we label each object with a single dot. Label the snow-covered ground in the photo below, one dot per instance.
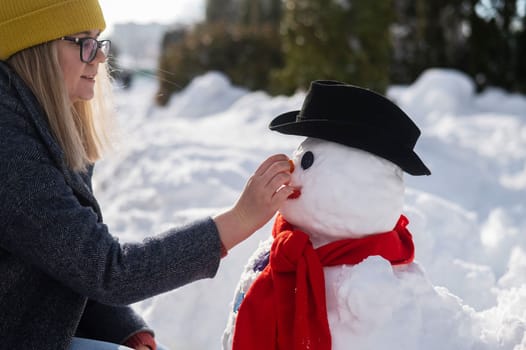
(193, 157)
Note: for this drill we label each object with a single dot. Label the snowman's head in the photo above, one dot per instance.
(343, 192)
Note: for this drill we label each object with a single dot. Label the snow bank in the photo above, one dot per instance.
(468, 218)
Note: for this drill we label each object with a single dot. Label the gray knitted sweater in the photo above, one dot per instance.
(62, 273)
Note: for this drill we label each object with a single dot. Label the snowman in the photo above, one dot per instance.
(339, 271)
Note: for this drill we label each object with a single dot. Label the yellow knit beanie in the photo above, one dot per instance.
(26, 23)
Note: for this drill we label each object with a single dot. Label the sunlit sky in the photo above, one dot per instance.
(162, 11)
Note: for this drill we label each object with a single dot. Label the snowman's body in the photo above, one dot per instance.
(344, 192)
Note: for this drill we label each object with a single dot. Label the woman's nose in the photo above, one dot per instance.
(100, 57)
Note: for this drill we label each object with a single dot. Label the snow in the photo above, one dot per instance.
(192, 158)
(338, 201)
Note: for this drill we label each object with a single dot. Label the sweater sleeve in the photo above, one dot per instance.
(114, 324)
(44, 223)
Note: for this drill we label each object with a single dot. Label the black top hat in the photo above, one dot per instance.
(356, 117)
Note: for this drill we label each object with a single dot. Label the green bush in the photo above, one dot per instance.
(282, 45)
(245, 54)
(333, 40)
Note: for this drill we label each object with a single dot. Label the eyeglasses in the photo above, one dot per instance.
(89, 47)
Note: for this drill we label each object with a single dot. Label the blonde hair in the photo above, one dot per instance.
(82, 128)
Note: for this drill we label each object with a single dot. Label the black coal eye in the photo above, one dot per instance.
(307, 160)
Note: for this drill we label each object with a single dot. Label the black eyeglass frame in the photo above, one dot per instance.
(104, 45)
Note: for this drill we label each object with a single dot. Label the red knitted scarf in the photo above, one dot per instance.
(285, 308)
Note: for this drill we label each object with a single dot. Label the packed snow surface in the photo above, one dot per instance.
(193, 157)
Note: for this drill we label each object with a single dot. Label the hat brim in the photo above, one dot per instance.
(353, 135)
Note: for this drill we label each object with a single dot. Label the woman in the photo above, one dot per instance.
(66, 282)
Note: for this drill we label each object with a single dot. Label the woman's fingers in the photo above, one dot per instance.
(281, 195)
(264, 192)
(278, 181)
(269, 162)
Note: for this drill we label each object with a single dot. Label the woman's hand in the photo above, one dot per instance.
(264, 193)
